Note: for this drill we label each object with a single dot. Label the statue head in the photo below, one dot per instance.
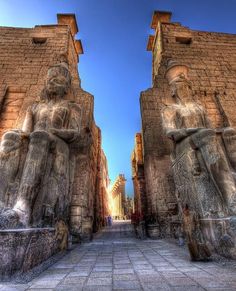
(58, 81)
(177, 76)
(181, 89)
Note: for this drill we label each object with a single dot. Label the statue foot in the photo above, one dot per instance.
(226, 241)
(9, 219)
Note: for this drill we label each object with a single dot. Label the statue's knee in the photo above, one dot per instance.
(229, 132)
(203, 137)
(42, 135)
(39, 138)
(11, 140)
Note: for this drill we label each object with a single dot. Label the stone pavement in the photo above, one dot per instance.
(115, 260)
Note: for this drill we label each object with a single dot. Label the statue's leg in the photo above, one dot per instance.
(9, 163)
(217, 165)
(33, 174)
(229, 139)
(56, 198)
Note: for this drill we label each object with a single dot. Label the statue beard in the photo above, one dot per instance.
(183, 95)
(56, 93)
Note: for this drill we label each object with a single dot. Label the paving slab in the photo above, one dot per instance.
(116, 260)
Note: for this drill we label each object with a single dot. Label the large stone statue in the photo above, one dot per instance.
(186, 123)
(42, 195)
(203, 158)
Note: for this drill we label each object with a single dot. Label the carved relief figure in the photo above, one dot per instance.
(197, 247)
(52, 126)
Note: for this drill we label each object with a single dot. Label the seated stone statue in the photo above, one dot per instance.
(202, 173)
(52, 126)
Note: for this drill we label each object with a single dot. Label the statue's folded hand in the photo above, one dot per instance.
(67, 135)
(193, 130)
(53, 131)
(177, 134)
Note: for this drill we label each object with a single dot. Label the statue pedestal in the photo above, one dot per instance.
(153, 231)
(220, 234)
(23, 249)
(87, 231)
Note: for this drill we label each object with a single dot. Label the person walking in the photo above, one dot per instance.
(109, 219)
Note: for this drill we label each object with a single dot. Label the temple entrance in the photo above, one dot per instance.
(120, 229)
(116, 260)
(54, 182)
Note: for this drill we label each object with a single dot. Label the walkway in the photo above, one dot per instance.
(115, 260)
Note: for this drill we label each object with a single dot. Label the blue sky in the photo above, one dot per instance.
(115, 66)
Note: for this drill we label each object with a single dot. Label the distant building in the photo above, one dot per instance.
(118, 197)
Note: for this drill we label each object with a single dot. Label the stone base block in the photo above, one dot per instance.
(23, 249)
(87, 230)
(220, 234)
(153, 231)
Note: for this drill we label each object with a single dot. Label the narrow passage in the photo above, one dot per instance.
(116, 260)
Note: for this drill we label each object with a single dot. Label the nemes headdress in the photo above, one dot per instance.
(176, 71)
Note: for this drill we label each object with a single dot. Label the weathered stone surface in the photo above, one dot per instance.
(118, 197)
(50, 151)
(102, 209)
(188, 132)
(140, 196)
(138, 176)
(23, 249)
(141, 265)
(51, 127)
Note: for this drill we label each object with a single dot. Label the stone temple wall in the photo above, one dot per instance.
(25, 56)
(140, 199)
(102, 199)
(210, 59)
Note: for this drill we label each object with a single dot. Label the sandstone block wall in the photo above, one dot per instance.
(138, 177)
(210, 57)
(25, 56)
(22, 250)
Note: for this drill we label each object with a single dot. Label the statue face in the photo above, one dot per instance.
(180, 89)
(57, 83)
